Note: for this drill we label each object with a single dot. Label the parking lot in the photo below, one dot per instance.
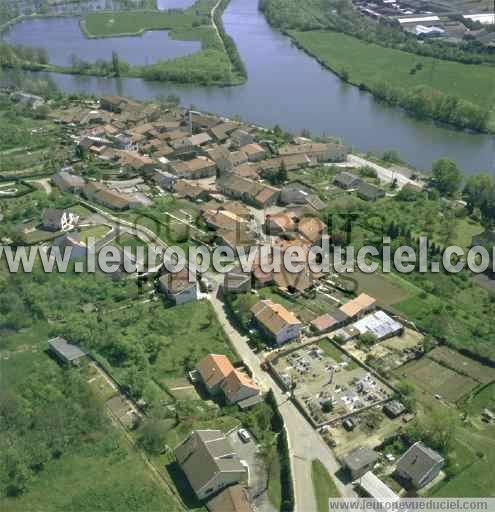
(327, 383)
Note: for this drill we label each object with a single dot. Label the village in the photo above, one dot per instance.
(144, 174)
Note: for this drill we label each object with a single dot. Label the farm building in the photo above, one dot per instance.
(66, 352)
(379, 324)
(360, 461)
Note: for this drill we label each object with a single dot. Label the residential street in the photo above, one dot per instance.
(304, 442)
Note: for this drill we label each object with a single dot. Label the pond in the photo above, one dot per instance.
(63, 39)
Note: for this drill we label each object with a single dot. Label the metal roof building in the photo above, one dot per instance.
(378, 324)
(372, 486)
(65, 351)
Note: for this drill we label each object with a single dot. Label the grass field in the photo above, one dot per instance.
(388, 289)
(369, 63)
(323, 484)
(96, 232)
(462, 364)
(436, 379)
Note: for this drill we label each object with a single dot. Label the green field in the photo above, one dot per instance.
(212, 64)
(93, 470)
(370, 64)
(323, 484)
(96, 232)
(437, 379)
(109, 24)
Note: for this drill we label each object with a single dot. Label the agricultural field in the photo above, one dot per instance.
(436, 379)
(463, 365)
(388, 289)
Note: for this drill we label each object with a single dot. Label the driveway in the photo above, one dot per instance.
(257, 471)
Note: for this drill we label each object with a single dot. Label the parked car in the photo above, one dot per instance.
(244, 435)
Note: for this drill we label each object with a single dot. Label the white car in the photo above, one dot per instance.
(244, 435)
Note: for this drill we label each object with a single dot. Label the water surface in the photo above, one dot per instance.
(63, 39)
(287, 87)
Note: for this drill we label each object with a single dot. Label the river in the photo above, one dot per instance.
(287, 87)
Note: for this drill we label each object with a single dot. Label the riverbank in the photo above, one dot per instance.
(429, 80)
(425, 87)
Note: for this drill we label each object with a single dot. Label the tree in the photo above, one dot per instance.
(116, 63)
(282, 173)
(391, 156)
(327, 406)
(153, 436)
(407, 394)
(446, 177)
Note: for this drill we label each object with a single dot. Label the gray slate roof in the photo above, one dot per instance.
(203, 454)
(65, 349)
(418, 461)
(360, 458)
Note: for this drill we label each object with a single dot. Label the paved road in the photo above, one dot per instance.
(385, 175)
(304, 442)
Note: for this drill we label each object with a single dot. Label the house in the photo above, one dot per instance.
(55, 219)
(221, 132)
(241, 138)
(65, 352)
(371, 486)
(165, 180)
(95, 191)
(195, 169)
(291, 163)
(320, 151)
(419, 465)
(67, 182)
(393, 409)
(360, 461)
(254, 152)
(238, 387)
(298, 194)
(249, 191)
(113, 103)
(247, 170)
(178, 288)
(369, 192)
(201, 122)
(277, 322)
(280, 223)
(191, 191)
(236, 281)
(232, 499)
(328, 322)
(346, 180)
(358, 306)
(209, 463)
(213, 370)
(135, 160)
(311, 228)
(380, 325)
(200, 139)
